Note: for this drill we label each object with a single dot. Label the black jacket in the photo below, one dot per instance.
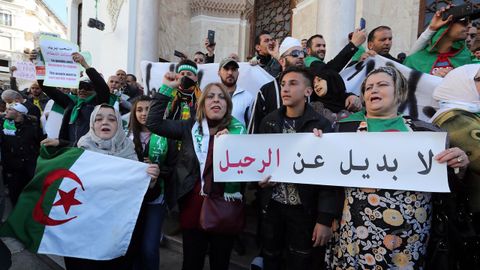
(73, 132)
(21, 149)
(187, 167)
(43, 99)
(324, 201)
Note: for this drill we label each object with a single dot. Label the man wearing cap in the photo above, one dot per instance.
(20, 142)
(242, 100)
(446, 48)
(268, 98)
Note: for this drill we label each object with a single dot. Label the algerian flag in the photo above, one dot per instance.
(79, 204)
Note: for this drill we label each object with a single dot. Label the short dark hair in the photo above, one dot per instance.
(476, 49)
(310, 40)
(371, 35)
(199, 52)
(302, 70)
(257, 38)
(133, 76)
(187, 62)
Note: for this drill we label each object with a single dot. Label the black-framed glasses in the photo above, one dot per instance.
(295, 53)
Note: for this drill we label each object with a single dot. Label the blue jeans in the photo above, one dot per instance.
(152, 232)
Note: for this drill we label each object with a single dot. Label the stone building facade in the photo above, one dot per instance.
(21, 21)
(153, 29)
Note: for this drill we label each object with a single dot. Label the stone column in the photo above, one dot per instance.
(336, 18)
(147, 21)
(72, 27)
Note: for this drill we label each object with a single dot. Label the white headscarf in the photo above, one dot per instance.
(458, 90)
(119, 145)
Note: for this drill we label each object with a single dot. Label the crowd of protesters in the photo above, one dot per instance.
(300, 226)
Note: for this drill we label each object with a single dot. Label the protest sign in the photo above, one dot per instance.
(25, 71)
(60, 69)
(393, 160)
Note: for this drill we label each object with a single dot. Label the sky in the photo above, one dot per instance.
(59, 7)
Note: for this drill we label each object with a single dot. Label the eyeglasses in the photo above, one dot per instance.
(295, 53)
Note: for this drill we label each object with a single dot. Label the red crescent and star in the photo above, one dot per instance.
(67, 199)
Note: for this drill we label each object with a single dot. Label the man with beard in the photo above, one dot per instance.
(316, 50)
(268, 99)
(242, 100)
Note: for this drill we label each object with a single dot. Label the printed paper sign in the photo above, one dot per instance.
(393, 160)
(25, 71)
(60, 69)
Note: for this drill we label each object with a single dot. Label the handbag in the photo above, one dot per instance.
(220, 216)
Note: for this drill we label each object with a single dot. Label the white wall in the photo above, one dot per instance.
(109, 48)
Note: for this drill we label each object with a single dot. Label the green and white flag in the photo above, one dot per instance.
(54, 121)
(79, 204)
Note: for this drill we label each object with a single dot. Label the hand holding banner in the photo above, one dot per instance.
(398, 161)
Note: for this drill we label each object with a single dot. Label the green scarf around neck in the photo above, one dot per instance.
(78, 106)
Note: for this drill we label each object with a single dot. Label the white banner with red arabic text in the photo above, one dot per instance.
(384, 160)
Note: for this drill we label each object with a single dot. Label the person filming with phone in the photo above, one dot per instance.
(442, 46)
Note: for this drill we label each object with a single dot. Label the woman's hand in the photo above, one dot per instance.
(317, 132)
(221, 132)
(266, 182)
(321, 235)
(153, 170)
(50, 142)
(353, 103)
(454, 157)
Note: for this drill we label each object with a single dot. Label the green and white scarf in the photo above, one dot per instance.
(157, 152)
(201, 137)
(9, 127)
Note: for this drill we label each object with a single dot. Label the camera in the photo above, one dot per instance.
(94, 23)
(466, 11)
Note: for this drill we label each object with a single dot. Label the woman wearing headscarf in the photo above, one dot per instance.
(385, 229)
(458, 97)
(106, 136)
(194, 173)
(330, 98)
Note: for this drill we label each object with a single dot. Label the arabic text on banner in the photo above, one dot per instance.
(60, 69)
(399, 160)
